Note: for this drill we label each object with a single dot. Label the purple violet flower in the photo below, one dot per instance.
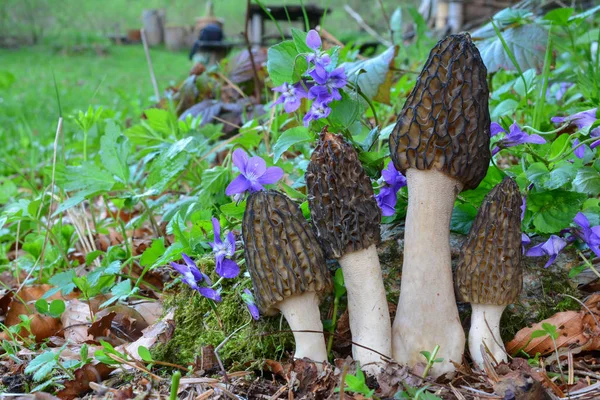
(248, 298)
(581, 120)
(552, 247)
(224, 266)
(317, 111)
(579, 150)
(589, 234)
(560, 91)
(291, 96)
(513, 138)
(320, 94)
(525, 241)
(332, 81)
(386, 199)
(320, 59)
(523, 207)
(254, 174)
(191, 276)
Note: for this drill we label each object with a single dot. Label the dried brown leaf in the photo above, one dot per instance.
(83, 376)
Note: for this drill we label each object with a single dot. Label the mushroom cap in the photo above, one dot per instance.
(489, 270)
(282, 253)
(445, 122)
(340, 197)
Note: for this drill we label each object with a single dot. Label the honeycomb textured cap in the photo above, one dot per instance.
(340, 197)
(489, 270)
(282, 253)
(445, 122)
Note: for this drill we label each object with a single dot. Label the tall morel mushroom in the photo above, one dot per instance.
(287, 268)
(441, 143)
(347, 218)
(489, 275)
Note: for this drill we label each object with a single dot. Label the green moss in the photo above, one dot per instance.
(197, 325)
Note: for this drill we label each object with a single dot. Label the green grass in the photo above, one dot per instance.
(119, 80)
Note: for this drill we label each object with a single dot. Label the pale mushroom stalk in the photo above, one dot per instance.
(485, 329)
(489, 274)
(302, 314)
(441, 143)
(427, 314)
(368, 311)
(347, 221)
(287, 267)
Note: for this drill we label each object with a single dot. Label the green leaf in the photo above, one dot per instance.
(284, 64)
(373, 76)
(289, 138)
(573, 272)
(554, 210)
(526, 42)
(234, 209)
(564, 172)
(462, 218)
(505, 107)
(550, 330)
(152, 253)
(559, 16)
(6, 80)
(557, 145)
(215, 179)
(57, 307)
(299, 38)
(339, 288)
(114, 151)
(587, 181)
(168, 165)
(537, 334)
(145, 354)
(396, 26)
(87, 178)
(41, 306)
(345, 112)
(43, 364)
(537, 173)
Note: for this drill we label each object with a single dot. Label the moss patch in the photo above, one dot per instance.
(197, 325)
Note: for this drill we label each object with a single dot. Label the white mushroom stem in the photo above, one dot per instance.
(485, 328)
(367, 308)
(302, 314)
(427, 314)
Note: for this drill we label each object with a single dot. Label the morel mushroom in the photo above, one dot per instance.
(441, 143)
(287, 268)
(347, 218)
(489, 275)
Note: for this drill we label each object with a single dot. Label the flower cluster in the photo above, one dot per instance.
(225, 267)
(253, 174)
(514, 137)
(588, 234)
(191, 276)
(322, 85)
(394, 181)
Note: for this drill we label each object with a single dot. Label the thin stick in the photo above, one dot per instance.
(385, 17)
(55, 150)
(356, 16)
(223, 344)
(150, 68)
(233, 85)
(249, 47)
(18, 268)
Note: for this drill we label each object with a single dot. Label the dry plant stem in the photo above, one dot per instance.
(427, 314)
(55, 149)
(485, 329)
(249, 47)
(150, 68)
(301, 312)
(370, 322)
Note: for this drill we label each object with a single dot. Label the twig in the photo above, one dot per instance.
(205, 395)
(233, 85)
(223, 344)
(150, 68)
(385, 17)
(343, 381)
(278, 392)
(366, 27)
(134, 365)
(55, 150)
(584, 306)
(249, 47)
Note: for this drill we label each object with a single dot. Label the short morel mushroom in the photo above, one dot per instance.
(347, 220)
(441, 143)
(287, 268)
(489, 274)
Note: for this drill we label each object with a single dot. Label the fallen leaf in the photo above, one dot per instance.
(83, 376)
(149, 310)
(75, 320)
(151, 335)
(101, 328)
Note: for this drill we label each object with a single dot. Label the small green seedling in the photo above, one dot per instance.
(53, 309)
(412, 393)
(430, 357)
(357, 384)
(550, 330)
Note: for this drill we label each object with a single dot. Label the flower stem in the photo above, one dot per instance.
(336, 301)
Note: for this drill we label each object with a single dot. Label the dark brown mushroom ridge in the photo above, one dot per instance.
(340, 197)
(445, 122)
(282, 253)
(489, 270)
